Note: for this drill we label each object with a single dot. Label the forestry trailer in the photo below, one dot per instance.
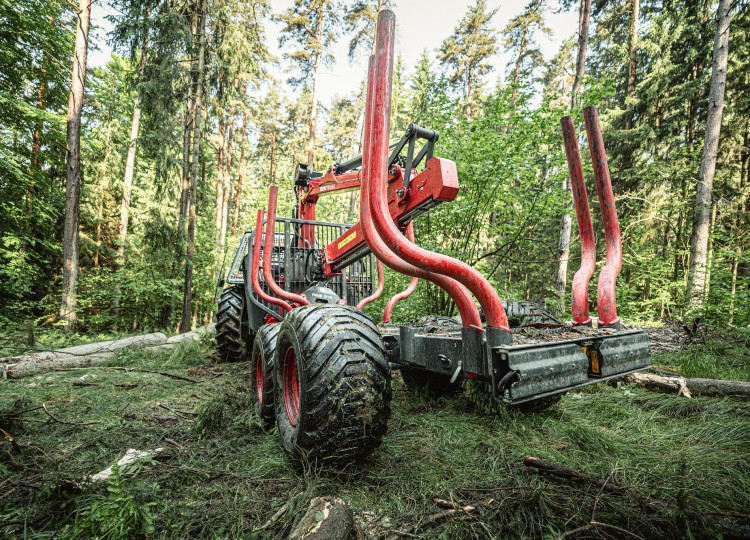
(321, 368)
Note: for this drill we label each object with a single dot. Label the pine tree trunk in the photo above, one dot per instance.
(227, 181)
(186, 322)
(133, 146)
(127, 185)
(73, 167)
(563, 252)
(184, 200)
(238, 192)
(635, 7)
(697, 283)
(314, 107)
(220, 158)
(273, 157)
(584, 17)
(36, 148)
(517, 70)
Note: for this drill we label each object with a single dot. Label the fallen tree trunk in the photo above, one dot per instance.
(14, 367)
(688, 387)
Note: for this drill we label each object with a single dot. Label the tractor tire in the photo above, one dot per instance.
(261, 370)
(232, 332)
(434, 384)
(332, 385)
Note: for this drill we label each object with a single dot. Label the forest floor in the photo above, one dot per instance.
(685, 462)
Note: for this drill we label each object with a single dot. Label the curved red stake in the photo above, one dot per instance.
(580, 289)
(459, 293)
(374, 296)
(376, 169)
(255, 266)
(406, 292)
(606, 287)
(268, 251)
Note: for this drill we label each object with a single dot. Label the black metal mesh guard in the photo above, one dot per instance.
(296, 265)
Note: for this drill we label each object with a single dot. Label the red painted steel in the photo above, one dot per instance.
(606, 287)
(376, 169)
(580, 289)
(426, 188)
(330, 183)
(259, 378)
(374, 296)
(459, 293)
(290, 379)
(406, 292)
(255, 264)
(273, 195)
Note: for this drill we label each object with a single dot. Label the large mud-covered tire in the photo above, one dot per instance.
(232, 332)
(434, 384)
(261, 372)
(332, 385)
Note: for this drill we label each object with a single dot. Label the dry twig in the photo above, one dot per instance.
(55, 419)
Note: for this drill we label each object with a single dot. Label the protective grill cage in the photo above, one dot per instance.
(296, 262)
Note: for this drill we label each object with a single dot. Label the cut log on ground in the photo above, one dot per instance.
(194, 335)
(15, 367)
(688, 387)
(327, 518)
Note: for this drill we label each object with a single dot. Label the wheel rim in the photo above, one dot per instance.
(259, 378)
(290, 375)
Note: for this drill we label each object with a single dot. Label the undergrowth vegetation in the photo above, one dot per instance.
(686, 462)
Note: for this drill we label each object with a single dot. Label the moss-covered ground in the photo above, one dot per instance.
(686, 462)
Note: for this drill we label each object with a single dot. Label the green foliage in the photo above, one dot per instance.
(117, 515)
(505, 141)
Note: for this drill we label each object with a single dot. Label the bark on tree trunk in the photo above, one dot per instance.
(584, 18)
(238, 192)
(517, 70)
(133, 146)
(184, 199)
(220, 159)
(73, 167)
(36, 148)
(186, 322)
(273, 157)
(227, 181)
(127, 185)
(702, 217)
(314, 108)
(636, 6)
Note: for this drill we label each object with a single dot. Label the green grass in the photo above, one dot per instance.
(221, 476)
(728, 358)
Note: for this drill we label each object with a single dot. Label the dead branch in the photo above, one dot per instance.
(11, 439)
(177, 411)
(274, 518)
(594, 525)
(57, 420)
(438, 517)
(603, 485)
